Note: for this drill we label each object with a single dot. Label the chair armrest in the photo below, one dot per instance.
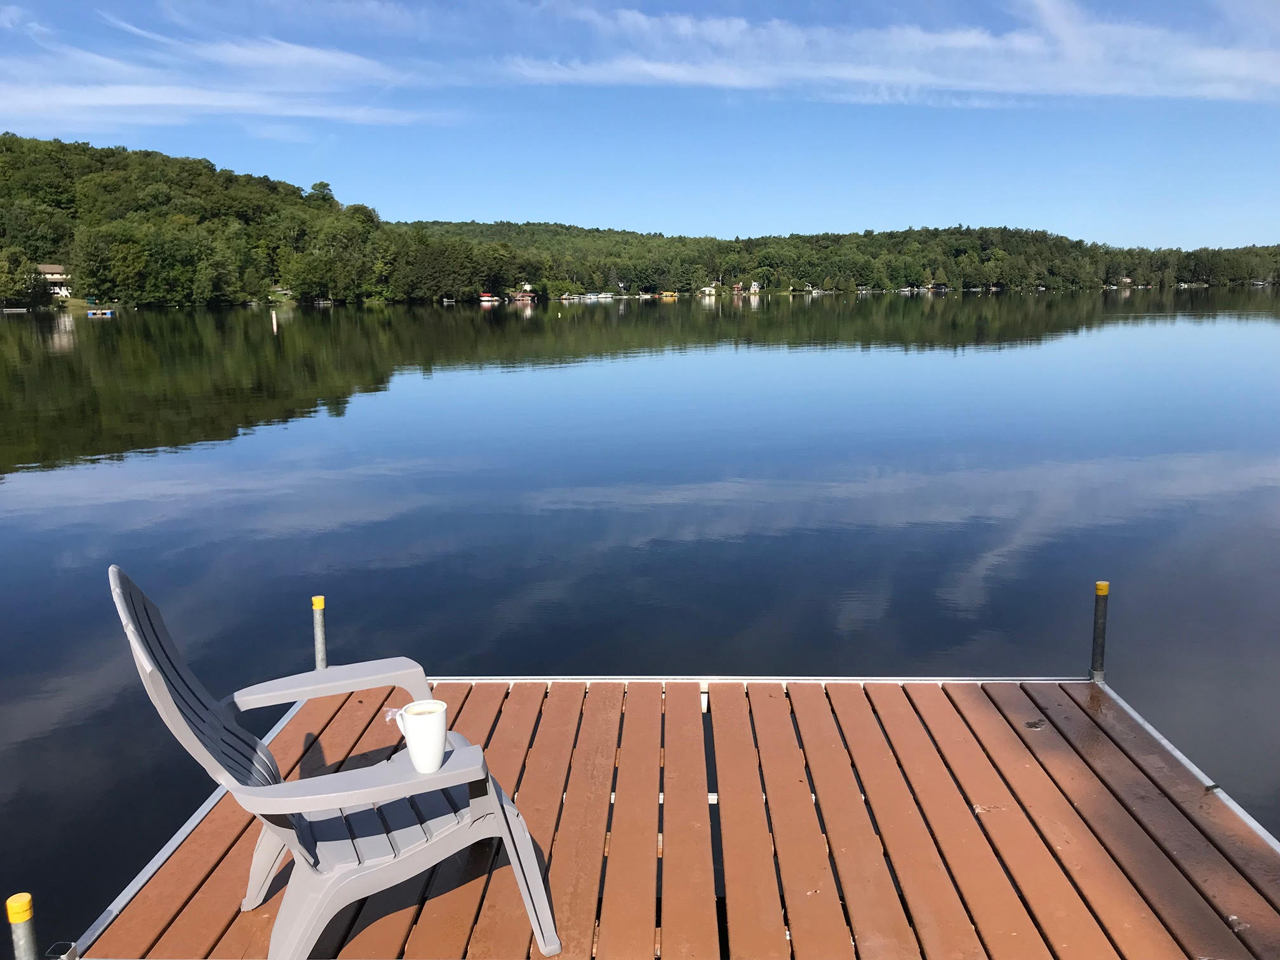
(347, 678)
(394, 779)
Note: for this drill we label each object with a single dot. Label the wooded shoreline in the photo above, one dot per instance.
(144, 228)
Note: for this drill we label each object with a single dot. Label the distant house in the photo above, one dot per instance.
(56, 276)
(755, 286)
(708, 291)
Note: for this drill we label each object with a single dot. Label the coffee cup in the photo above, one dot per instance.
(423, 725)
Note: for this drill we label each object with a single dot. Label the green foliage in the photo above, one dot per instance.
(146, 228)
(20, 282)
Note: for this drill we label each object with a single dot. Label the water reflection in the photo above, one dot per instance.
(62, 337)
(891, 485)
(75, 389)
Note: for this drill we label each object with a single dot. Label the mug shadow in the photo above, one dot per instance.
(312, 763)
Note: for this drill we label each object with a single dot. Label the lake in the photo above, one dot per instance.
(888, 485)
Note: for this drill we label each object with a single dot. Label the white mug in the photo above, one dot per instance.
(423, 725)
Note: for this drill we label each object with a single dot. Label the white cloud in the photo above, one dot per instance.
(384, 62)
(157, 103)
(291, 63)
(277, 55)
(1056, 50)
(150, 77)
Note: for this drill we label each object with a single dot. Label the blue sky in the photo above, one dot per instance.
(1137, 122)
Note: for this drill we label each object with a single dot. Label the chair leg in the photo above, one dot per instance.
(528, 871)
(267, 855)
(307, 906)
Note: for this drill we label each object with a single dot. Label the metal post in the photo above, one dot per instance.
(317, 621)
(1101, 591)
(21, 926)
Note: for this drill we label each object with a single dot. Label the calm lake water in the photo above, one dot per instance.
(890, 486)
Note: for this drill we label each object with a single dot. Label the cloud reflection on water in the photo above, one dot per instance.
(1028, 505)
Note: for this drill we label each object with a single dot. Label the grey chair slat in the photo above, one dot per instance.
(340, 855)
(369, 833)
(304, 838)
(438, 813)
(404, 829)
(183, 691)
(226, 743)
(334, 846)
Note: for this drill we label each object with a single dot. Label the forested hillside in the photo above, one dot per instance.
(142, 227)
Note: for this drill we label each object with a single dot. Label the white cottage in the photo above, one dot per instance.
(56, 276)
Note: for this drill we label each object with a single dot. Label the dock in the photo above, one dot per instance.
(744, 818)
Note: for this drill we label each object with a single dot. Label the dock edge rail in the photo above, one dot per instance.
(122, 899)
(1210, 785)
(589, 679)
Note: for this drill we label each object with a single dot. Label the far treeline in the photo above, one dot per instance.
(145, 228)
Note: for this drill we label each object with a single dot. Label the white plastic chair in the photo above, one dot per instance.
(351, 833)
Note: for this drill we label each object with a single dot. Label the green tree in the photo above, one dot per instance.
(20, 281)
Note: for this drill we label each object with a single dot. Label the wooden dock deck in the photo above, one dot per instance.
(761, 819)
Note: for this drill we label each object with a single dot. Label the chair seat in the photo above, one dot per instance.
(371, 833)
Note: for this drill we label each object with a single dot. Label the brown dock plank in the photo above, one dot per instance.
(689, 930)
(140, 924)
(1006, 930)
(203, 921)
(1242, 845)
(1185, 913)
(1133, 927)
(814, 914)
(752, 901)
(628, 910)
(502, 929)
(937, 913)
(383, 921)
(1252, 918)
(443, 927)
(1065, 920)
(577, 853)
(880, 927)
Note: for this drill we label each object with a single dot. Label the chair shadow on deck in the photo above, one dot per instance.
(367, 929)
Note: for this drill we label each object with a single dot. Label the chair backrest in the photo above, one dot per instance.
(230, 754)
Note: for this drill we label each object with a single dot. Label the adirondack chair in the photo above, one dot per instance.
(351, 833)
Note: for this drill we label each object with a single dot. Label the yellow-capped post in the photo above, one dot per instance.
(22, 926)
(317, 624)
(1101, 591)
